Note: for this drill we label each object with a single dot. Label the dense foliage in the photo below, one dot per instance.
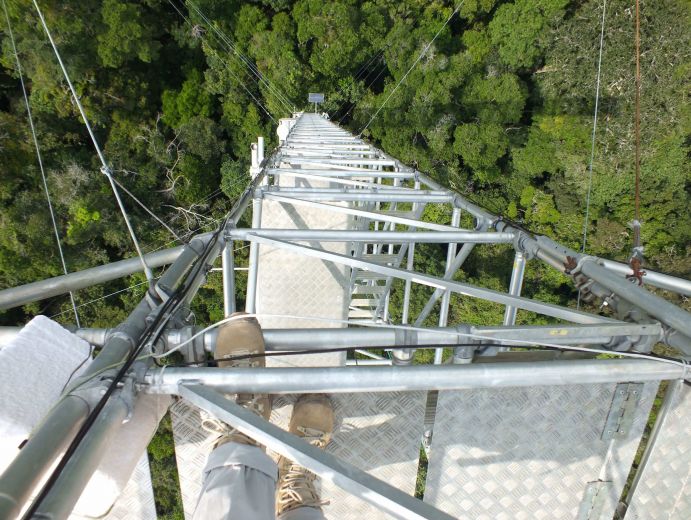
(500, 108)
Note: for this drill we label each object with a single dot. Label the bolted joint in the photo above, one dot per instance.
(228, 230)
(463, 355)
(402, 356)
(194, 351)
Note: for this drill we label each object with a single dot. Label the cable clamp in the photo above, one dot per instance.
(574, 267)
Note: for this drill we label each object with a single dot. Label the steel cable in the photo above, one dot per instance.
(422, 54)
(242, 83)
(39, 157)
(592, 141)
(104, 165)
(283, 99)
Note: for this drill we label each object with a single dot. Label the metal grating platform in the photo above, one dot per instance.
(137, 499)
(378, 433)
(288, 283)
(664, 489)
(531, 453)
(192, 447)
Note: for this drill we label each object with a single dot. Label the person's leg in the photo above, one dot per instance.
(239, 478)
(239, 484)
(297, 497)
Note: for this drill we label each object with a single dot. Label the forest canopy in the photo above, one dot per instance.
(500, 108)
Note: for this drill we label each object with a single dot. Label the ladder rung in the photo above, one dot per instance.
(360, 321)
(380, 258)
(360, 302)
(369, 275)
(359, 313)
(368, 289)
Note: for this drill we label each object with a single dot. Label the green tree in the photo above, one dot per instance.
(520, 30)
(481, 146)
(126, 36)
(190, 101)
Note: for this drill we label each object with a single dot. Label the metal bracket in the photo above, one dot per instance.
(622, 410)
(593, 499)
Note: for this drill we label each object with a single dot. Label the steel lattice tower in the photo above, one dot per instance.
(509, 433)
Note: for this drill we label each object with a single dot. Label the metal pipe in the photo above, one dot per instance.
(376, 237)
(413, 377)
(228, 265)
(360, 213)
(367, 362)
(659, 308)
(380, 337)
(463, 288)
(175, 274)
(23, 294)
(446, 298)
(515, 286)
(251, 298)
(663, 281)
(461, 257)
(386, 190)
(339, 162)
(311, 338)
(68, 488)
(558, 255)
(410, 260)
(339, 173)
(27, 469)
(382, 307)
(260, 149)
(362, 196)
(458, 201)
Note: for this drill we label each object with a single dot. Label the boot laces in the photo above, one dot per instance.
(215, 426)
(220, 429)
(297, 487)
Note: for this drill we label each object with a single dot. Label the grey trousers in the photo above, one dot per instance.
(240, 484)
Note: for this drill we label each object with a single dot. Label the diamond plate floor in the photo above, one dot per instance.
(529, 453)
(664, 490)
(377, 433)
(289, 283)
(192, 447)
(137, 499)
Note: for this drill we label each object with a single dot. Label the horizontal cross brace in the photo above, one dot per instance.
(363, 196)
(341, 173)
(373, 215)
(328, 235)
(547, 309)
(308, 380)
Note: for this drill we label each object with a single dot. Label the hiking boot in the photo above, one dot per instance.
(313, 420)
(237, 338)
